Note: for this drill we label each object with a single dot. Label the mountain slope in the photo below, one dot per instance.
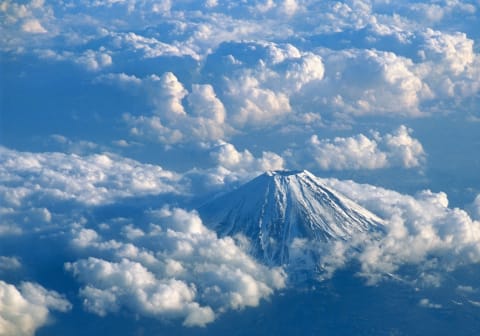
(285, 215)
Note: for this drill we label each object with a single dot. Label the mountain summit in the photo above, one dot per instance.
(286, 213)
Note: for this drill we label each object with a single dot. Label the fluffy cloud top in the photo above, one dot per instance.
(178, 116)
(421, 230)
(92, 180)
(343, 61)
(26, 308)
(231, 167)
(175, 269)
(397, 149)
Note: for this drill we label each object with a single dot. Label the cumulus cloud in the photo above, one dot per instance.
(380, 64)
(9, 263)
(92, 60)
(151, 47)
(421, 231)
(347, 153)
(256, 105)
(474, 208)
(25, 308)
(450, 64)
(91, 180)
(254, 95)
(369, 82)
(426, 303)
(33, 26)
(227, 156)
(30, 16)
(176, 269)
(231, 167)
(397, 149)
(259, 79)
(177, 115)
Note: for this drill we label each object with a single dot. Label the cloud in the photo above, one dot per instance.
(474, 208)
(258, 79)
(9, 263)
(450, 64)
(26, 308)
(347, 153)
(365, 58)
(150, 46)
(256, 105)
(229, 89)
(227, 156)
(402, 149)
(176, 269)
(92, 60)
(205, 103)
(90, 180)
(33, 26)
(177, 116)
(248, 97)
(397, 149)
(231, 167)
(421, 231)
(369, 82)
(426, 303)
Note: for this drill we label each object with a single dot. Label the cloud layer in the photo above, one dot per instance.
(343, 61)
(176, 268)
(421, 231)
(212, 93)
(26, 308)
(91, 180)
(361, 152)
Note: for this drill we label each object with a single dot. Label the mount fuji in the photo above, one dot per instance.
(287, 217)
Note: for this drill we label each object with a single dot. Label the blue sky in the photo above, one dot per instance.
(119, 117)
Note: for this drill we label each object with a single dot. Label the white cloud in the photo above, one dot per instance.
(151, 47)
(91, 180)
(168, 95)
(249, 97)
(357, 152)
(397, 149)
(474, 208)
(204, 103)
(426, 303)
(421, 230)
(258, 80)
(450, 64)
(231, 167)
(402, 149)
(26, 308)
(91, 60)
(227, 156)
(94, 60)
(369, 82)
(255, 105)
(29, 14)
(178, 116)
(33, 26)
(177, 269)
(363, 73)
(289, 7)
(9, 263)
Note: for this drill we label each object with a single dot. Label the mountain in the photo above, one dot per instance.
(287, 216)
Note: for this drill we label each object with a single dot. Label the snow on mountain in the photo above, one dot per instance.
(287, 217)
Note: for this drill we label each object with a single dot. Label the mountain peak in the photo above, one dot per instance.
(278, 210)
(286, 172)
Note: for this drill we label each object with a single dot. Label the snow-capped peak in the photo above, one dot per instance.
(279, 211)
